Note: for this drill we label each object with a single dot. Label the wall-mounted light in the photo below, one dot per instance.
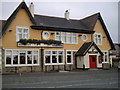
(10, 30)
(52, 33)
(79, 35)
(104, 37)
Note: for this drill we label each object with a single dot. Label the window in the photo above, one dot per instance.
(53, 57)
(15, 57)
(65, 37)
(84, 37)
(9, 57)
(45, 35)
(70, 56)
(100, 58)
(21, 57)
(98, 38)
(105, 56)
(22, 33)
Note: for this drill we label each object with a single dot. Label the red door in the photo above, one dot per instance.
(93, 59)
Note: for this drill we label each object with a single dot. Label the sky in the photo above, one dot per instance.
(78, 9)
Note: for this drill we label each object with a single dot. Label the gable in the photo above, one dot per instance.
(106, 39)
(88, 46)
(13, 16)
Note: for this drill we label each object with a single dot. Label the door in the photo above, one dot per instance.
(93, 59)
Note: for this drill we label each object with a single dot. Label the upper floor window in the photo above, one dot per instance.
(68, 38)
(98, 38)
(45, 35)
(22, 33)
(84, 37)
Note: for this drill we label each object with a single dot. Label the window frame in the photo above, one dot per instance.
(43, 34)
(66, 35)
(71, 55)
(98, 43)
(17, 33)
(19, 50)
(57, 54)
(86, 37)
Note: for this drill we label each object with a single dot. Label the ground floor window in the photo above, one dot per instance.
(69, 56)
(15, 57)
(53, 57)
(105, 56)
(100, 59)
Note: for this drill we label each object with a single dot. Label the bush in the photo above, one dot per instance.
(25, 41)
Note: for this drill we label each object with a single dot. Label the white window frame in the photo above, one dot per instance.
(71, 55)
(86, 37)
(53, 55)
(17, 33)
(104, 55)
(19, 50)
(43, 35)
(97, 43)
(66, 37)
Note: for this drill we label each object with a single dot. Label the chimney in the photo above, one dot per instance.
(31, 8)
(67, 14)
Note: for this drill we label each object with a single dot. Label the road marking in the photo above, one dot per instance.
(86, 84)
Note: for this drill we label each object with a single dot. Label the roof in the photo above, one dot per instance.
(41, 22)
(90, 21)
(85, 48)
(60, 24)
(10, 19)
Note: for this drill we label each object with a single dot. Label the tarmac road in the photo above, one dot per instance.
(73, 79)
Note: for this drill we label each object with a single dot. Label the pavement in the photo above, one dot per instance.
(93, 78)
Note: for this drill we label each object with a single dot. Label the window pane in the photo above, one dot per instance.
(60, 59)
(8, 59)
(19, 30)
(68, 52)
(15, 59)
(22, 58)
(47, 59)
(25, 31)
(54, 52)
(8, 52)
(74, 40)
(68, 37)
(54, 59)
(68, 59)
(47, 52)
(35, 59)
(19, 36)
(35, 52)
(29, 57)
(15, 52)
(60, 52)
(63, 39)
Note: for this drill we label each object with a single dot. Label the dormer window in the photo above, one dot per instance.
(22, 33)
(98, 38)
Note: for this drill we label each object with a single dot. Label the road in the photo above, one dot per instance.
(74, 79)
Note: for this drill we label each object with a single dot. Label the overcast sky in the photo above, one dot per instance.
(78, 10)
